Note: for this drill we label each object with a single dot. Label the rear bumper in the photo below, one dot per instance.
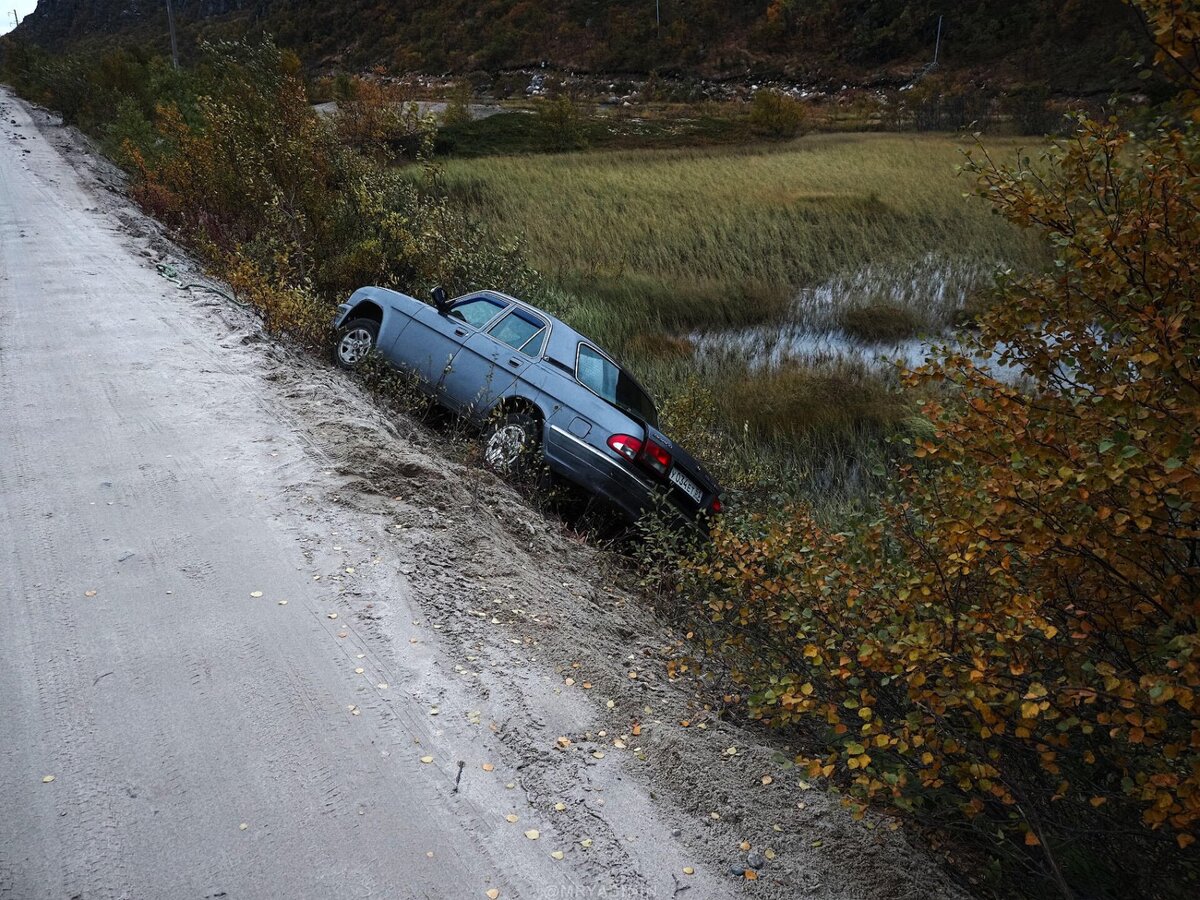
(605, 477)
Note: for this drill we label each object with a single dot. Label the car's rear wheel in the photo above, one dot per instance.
(511, 444)
(355, 340)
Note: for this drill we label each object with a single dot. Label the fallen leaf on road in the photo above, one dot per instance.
(343, 634)
(751, 875)
(333, 615)
(563, 742)
(350, 570)
(557, 854)
(243, 827)
(256, 593)
(382, 686)
(637, 729)
(89, 593)
(688, 870)
(767, 779)
(533, 834)
(731, 751)
(599, 754)
(283, 603)
(769, 854)
(585, 843)
(560, 807)
(426, 759)
(359, 670)
(745, 845)
(493, 894)
(587, 685)
(47, 779)
(511, 819)
(433, 711)
(488, 767)
(569, 682)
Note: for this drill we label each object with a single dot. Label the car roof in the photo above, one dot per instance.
(563, 338)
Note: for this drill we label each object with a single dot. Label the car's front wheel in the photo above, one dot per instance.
(510, 445)
(355, 340)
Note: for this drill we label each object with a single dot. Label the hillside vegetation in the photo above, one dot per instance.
(1076, 45)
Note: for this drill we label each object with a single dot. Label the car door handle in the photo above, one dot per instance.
(461, 332)
(515, 363)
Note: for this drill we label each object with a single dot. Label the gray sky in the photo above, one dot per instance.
(23, 8)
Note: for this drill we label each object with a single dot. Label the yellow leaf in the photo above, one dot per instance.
(533, 834)
(688, 870)
(511, 819)
(426, 759)
(492, 894)
(1031, 840)
(488, 767)
(557, 854)
(46, 779)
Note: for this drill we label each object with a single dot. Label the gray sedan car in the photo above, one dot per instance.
(540, 390)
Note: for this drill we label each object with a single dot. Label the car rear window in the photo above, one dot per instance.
(522, 331)
(599, 374)
(476, 312)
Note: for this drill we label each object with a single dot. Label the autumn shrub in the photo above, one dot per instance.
(1008, 648)
(776, 115)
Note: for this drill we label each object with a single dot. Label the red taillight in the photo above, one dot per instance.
(625, 444)
(716, 507)
(656, 458)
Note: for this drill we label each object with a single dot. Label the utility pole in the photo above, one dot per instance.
(16, 19)
(658, 14)
(937, 47)
(174, 45)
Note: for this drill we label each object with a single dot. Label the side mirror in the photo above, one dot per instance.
(440, 300)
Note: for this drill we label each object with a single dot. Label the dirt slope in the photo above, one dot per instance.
(161, 463)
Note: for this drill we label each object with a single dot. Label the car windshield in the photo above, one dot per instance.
(602, 376)
(522, 331)
(476, 312)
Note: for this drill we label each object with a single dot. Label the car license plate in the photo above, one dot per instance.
(686, 484)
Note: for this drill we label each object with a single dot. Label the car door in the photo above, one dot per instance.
(490, 362)
(432, 339)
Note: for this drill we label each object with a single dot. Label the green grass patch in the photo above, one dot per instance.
(709, 238)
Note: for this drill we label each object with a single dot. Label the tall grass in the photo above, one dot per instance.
(708, 238)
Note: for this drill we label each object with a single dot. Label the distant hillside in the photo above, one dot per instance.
(1075, 45)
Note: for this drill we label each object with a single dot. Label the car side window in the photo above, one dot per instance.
(476, 312)
(597, 373)
(522, 331)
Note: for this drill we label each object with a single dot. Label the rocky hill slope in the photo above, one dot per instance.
(1074, 45)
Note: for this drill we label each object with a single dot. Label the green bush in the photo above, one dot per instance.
(776, 115)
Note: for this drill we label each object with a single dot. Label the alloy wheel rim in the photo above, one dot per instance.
(505, 446)
(354, 346)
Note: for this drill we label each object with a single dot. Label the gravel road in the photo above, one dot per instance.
(259, 638)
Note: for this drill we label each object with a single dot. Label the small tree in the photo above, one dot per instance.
(776, 115)
(1017, 635)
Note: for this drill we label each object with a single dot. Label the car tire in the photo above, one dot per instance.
(512, 444)
(355, 340)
